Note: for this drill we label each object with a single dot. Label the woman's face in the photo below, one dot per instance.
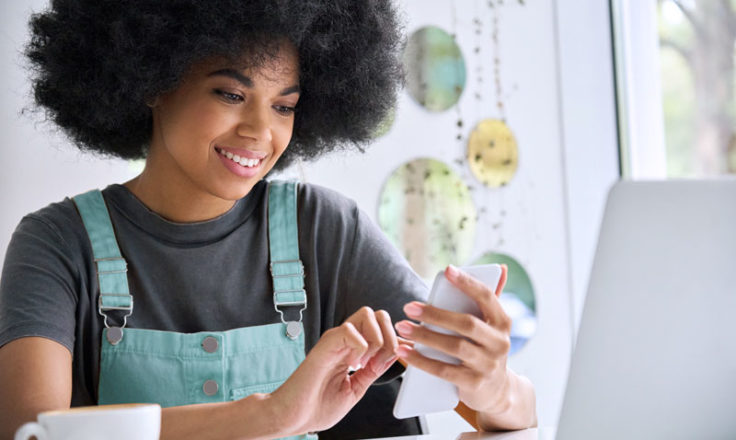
(223, 129)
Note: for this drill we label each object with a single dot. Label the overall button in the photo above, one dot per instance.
(210, 387)
(210, 344)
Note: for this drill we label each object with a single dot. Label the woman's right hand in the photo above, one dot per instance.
(321, 391)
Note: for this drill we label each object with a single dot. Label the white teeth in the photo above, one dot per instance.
(242, 161)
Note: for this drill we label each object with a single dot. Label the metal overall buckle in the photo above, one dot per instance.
(114, 333)
(293, 328)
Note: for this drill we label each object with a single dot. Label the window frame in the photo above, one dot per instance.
(643, 153)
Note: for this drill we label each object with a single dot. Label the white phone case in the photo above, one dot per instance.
(420, 392)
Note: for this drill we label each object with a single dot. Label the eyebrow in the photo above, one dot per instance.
(247, 82)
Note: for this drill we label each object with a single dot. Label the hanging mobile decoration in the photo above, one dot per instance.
(492, 152)
(459, 124)
(435, 69)
(426, 210)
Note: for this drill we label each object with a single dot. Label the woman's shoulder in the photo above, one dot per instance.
(61, 218)
(58, 223)
(313, 195)
(327, 208)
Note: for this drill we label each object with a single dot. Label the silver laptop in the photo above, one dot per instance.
(656, 351)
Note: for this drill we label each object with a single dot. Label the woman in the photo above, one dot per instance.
(198, 284)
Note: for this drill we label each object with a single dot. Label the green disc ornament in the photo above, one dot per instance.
(427, 211)
(435, 69)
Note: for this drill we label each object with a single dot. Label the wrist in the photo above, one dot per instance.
(280, 410)
(264, 416)
(502, 398)
(514, 409)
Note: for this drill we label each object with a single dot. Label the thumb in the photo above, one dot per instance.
(363, 378)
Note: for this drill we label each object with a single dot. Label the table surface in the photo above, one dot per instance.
(547, 433)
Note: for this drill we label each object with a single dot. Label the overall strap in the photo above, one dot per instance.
(111, 267)
(287, 269)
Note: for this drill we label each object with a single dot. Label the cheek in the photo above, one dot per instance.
(188, 121)
(282, 136)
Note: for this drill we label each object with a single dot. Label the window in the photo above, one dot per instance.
(675, 71)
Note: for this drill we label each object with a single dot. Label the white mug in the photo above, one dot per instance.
(108, 422)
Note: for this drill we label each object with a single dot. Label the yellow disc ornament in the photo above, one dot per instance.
(493, 155)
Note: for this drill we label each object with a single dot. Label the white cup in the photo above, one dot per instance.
(108, 422)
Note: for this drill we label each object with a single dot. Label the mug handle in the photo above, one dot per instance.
(29, 429)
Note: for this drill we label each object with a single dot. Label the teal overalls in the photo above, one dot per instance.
(171, 369)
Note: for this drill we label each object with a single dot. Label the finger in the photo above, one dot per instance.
(476, 356)
(483, 295)
(363, 378)
(348, 341)
(462, 323)
(459, 375)
(502, 281)
(390, 340)
(403, 341)
(406, 343)
(365, 321)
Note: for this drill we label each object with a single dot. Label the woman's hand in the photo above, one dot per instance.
(322, 390)
(483, 381)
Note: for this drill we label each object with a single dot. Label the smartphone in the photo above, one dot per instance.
(422, 393)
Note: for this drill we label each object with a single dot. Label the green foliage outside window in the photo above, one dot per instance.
(697, 40)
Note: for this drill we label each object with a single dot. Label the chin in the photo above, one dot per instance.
(236, 192)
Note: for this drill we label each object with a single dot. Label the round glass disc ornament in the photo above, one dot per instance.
(493, 155)
(428, 213)
(435, 69)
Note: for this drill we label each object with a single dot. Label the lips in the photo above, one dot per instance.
(242, 152)
(241, 162)
(242, 157)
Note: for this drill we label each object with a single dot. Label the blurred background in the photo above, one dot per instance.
(516, 118)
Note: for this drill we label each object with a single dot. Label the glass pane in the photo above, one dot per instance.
(697, 70)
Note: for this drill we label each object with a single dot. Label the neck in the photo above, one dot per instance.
(164, 194)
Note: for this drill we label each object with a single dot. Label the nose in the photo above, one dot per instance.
(255, 123)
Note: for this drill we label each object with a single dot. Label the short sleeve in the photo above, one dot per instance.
(37, 288)
(377, 274)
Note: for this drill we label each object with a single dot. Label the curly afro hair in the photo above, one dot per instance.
(97, 62)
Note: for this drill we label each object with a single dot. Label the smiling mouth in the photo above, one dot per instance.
(242, 161)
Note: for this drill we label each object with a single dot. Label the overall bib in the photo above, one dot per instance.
(172, 369)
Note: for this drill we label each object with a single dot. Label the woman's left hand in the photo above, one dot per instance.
(482, 347)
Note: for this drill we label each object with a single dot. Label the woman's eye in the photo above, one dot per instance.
(284, 110)
(229, 97)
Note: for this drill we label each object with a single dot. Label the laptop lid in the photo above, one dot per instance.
(656, 351)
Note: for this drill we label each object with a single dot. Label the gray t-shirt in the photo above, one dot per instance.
(206, 276)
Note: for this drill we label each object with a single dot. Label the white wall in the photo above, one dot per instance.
(37, 165)
(588, 117)
(556, 72)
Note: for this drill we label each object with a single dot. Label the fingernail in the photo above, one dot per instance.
(403, 327)
(402, 351)
(452, 271)
(413, 309)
